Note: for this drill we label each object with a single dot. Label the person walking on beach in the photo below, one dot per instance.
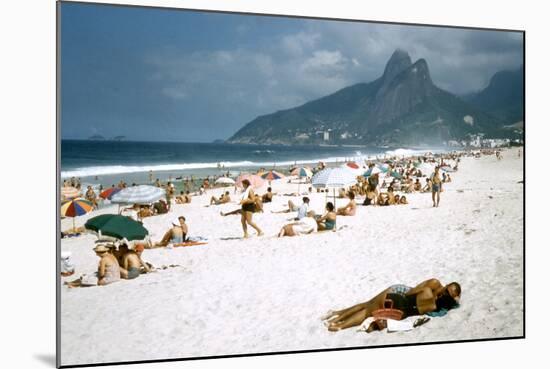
(436, 187)
(248, 207)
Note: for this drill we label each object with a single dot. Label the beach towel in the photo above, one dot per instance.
(193, 241)
(189, 243)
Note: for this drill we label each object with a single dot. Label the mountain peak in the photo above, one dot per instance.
(399, 61)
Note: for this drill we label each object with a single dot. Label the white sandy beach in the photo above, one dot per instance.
(265, 294)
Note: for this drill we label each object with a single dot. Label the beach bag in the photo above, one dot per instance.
(388, 312)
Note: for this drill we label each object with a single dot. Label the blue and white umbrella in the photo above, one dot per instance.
(142, 194)
(333, 178)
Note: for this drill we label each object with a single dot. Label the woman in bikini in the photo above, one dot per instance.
(426, 297)
(248, 207)
(328, 221)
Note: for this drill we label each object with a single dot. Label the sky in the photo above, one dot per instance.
(173, 75)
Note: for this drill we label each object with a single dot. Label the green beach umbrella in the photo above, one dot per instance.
(117, 226)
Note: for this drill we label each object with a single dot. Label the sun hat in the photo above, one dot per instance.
(101, 248)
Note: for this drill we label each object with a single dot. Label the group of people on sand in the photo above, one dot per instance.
(114, 265)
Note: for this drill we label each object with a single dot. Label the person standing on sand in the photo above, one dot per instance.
(436, 187)
(248, 207)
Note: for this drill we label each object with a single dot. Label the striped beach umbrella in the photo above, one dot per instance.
(395, 174)
(142, 194)
(372, 171)
(333, 178)
(225, 181)
(117, 226)
(69, 192)
(108, 193)
(75, 208)
(272, 175)
(255, 180)
(302, 172)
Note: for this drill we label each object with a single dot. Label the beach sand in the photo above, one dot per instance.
(264, 294)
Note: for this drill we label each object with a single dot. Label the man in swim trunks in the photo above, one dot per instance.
(436, 187)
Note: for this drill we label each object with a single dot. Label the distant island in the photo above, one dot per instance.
(101, 138)
(402, 107)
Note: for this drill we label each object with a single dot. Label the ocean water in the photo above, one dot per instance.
(107, 162)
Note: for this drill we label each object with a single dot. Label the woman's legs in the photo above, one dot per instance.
(243, 223)
(356, 314)
(248, 217)
(354, 320)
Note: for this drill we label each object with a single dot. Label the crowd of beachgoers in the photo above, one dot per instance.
(384, 182)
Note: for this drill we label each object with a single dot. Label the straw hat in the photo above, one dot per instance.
(101, 248)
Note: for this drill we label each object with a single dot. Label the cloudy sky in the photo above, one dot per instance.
(165, 75)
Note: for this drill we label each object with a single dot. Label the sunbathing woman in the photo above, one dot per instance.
(328, 221)
(403, 200)
(428, 296)
(176, 234)
(350, 208)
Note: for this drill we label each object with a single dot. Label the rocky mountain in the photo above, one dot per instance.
(403, 106)
(503, 97)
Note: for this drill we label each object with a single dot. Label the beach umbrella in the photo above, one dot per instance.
(333, 178)
(371, 171)
(117, 226)
(69, 192)
(225, 181)
(108, 193)
(255, 180)
(272, 175)
(302, 172)
(75, 208)
(395, 174)
(143, 194)
(352, 165)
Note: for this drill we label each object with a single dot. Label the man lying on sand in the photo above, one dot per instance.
(428, 296)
